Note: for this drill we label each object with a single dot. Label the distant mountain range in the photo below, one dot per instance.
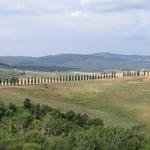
(78, 62)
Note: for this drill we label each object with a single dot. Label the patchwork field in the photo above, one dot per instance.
(118, 102)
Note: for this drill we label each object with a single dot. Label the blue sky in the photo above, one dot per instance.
(45, 27)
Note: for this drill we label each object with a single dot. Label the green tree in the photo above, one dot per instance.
(27, 104)
(14, 80)
(0, 81)
(12, 107)
(2, 110)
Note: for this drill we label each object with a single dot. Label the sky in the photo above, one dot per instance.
(48, 27)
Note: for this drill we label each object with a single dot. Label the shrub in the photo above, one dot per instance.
(27, 104)
(95, 122)
(31, 146)
(2, 110)
(58, 143)
(34, 136)
(16, 145)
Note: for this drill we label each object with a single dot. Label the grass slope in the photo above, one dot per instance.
(118, 102)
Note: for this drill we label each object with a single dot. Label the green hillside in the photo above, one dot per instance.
(118, 102)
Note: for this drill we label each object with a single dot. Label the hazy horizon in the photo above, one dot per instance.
(48, 27)
(74, 54)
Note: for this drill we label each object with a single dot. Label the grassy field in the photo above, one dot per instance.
(8, 73)
(118, 102)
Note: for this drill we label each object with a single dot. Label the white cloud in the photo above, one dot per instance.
(79, 14)
(115, 4)
(34, 6)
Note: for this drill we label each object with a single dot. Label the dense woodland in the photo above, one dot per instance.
(39, 127)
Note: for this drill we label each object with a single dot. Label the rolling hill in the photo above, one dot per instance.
(2, 65)
(80, 62)
(122, 103)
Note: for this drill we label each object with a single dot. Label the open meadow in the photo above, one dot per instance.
(118, 102)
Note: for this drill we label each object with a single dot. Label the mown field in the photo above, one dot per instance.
(118, 102)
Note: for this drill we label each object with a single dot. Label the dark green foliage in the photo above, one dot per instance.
(39, 127)
(70, 115)
(39, 111)
(14, 80)
(7, 111)
(95, 122)
(2, 111)
(12, 107)
(78, 119)
(56, 127)
(27, 104)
